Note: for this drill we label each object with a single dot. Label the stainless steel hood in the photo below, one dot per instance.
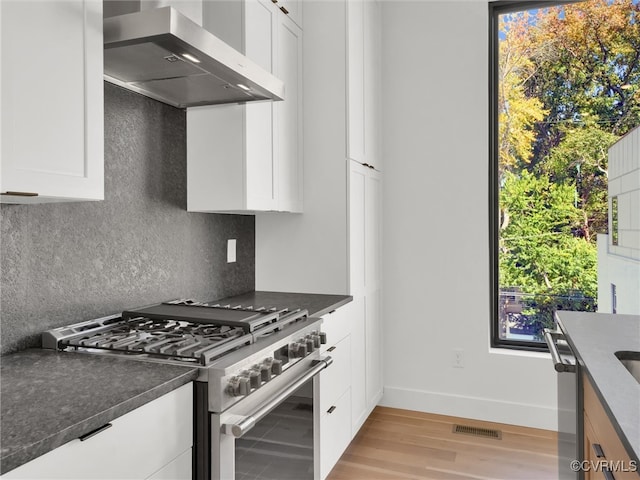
(164, 55)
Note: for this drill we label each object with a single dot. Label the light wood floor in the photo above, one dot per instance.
(402, 444)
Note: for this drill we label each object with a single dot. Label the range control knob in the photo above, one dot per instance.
(244, 386)
(233, 387)
(316, 339)
(293, 350)
(265, 370)
(302, 349)
(323, 338)
(254, 379)
(276, 367)
(309, 343)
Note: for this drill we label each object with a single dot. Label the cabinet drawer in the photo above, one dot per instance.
(157, 432)
(604, 434)
(337, 378)
(334, 436)
(336, 325)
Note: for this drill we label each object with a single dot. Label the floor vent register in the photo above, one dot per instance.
(478, 431)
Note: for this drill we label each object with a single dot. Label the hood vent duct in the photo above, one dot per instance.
(162, 54)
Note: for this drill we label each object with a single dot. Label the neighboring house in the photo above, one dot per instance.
(619, 251)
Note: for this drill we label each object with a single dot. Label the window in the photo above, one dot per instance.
(561, 92)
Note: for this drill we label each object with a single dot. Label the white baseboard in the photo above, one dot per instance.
(535, 416)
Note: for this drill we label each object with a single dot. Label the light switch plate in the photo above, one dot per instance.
(231, 250)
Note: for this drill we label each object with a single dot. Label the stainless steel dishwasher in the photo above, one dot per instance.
(569, 404)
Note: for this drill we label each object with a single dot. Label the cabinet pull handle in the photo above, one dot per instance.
(607, 474)
(92, 433)
(598, 450)
(331, 349)
(274, 1)
(21, 194)
(333, 407)
(284, 10)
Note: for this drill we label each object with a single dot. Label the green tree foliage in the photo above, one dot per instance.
(580, 160)
(570, 87)
(538, 251)
(587, 58)
(518, 113)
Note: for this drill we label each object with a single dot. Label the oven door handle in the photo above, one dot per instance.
(238, 429)
(558, 364)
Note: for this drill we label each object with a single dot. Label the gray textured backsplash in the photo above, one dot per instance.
(67, 262)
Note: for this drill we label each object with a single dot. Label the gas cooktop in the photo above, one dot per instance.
(181, 330)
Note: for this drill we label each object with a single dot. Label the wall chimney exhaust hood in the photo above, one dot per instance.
(162, 54)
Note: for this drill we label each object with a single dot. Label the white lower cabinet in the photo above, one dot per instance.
(152, 441)
(336, 433)
(335, 391)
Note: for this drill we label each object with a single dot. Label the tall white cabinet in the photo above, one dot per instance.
(366, 284)
(245, 158)
(335, 247)
(52, 101)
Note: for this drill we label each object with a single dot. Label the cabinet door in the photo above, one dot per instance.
(372, 84)
(365, 281)
(337, 377)
(357, 228)
(52, 99)
(261, 172)
(288, 116)
(334, 437)
(355, 80)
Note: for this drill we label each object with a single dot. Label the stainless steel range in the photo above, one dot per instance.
(254, 363)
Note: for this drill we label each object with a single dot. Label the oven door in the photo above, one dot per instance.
(270, 434)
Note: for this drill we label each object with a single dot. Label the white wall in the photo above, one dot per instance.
(436, 265)
(308, 252)
(620, 264)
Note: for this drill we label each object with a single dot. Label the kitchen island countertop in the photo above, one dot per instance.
(594, 338)
(49, 398)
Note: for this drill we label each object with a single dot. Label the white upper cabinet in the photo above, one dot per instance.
(243, 158)
(51, 101)
(288, 117)
(363, 82)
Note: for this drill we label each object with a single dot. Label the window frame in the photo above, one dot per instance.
(497, 8)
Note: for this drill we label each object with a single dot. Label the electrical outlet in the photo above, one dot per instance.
(231, 250)
(458, 358)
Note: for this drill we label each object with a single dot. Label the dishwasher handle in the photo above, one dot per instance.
(559, 365)
(241, 427)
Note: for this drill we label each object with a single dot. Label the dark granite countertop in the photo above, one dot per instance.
(316, 304)
(594, 338)
(48, 398)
